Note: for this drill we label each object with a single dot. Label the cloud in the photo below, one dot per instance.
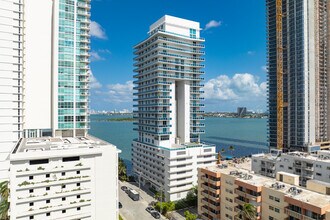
(241, 87)
(94, 83)
(264, 68)
(251, 52)
(212, 24)
(95, 56)
(97, 31)
(120, 93)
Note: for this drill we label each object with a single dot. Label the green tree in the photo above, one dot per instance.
(165, 207)
(191, 197)
(4, 204)
(160, 196)
(248, 212)
(232, 148)
(122, 170)
(190, 216)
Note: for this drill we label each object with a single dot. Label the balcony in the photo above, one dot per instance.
(208, 188)
(239, 202)
(293, 213)
(213, 182)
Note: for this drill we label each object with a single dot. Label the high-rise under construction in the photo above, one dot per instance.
(298, 74)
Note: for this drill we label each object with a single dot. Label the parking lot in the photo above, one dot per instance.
(133, 210)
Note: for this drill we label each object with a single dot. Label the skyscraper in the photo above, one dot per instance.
(298, 75)
(169, 109)
(44, 69)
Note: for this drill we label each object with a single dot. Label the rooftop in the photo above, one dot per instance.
(56, 143)
(243, 172)
(321, 155)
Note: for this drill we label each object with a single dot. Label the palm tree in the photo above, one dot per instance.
(248, 212)
(231, 148)
(122, 173)
(4, 204)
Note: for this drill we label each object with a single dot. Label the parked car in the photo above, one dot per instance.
(155, 214)
(150, 209)
(120, 205)
(127, 190)
(124, 188)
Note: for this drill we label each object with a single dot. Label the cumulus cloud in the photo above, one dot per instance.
(94, 83)
(95, 56)
(240, 87)
(97, 31)
(212, 24)
(251, 52)
(120, 93)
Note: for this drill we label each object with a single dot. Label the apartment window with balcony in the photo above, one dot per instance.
(63, 199)
(47, 175)
(78, 208)
(47, 188)
(63, 211)
(48, 201)
(31, 217)
(48, 214)
(31, 204)
(30, 190)
(30, 177)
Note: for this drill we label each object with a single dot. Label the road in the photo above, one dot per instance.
(133, 210)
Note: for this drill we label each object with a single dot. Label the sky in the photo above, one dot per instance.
(235, 47)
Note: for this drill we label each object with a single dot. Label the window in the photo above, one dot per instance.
(271, 218)
(271, 197)
(78, 208)
(271, 208)
(31, 204)
(290, 168)
(47, 175)
(78, 172)
(318, 174)
(78, 184)
(48, 214)
(63, 211)
(277, 210)
(47, 188)
(31, 191)
(63, 186)
(68, 159)
(277, 199)
(34, 162)
(32, 217)
(30, 177)
(63, 174)
(63, 199)
(78, 196)
(281, 166)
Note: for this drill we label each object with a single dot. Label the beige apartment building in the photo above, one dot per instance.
(225, 188)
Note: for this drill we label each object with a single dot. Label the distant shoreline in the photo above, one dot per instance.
(116, 120)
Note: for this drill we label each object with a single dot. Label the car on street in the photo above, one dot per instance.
(155, 214)
(150, 209)
(120, 205)
(127, 190)
(124, 188)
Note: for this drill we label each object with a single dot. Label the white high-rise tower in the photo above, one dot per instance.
(44, 70)
(169, 113)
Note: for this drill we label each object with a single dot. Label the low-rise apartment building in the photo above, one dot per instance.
(307, 165)
(63, 178)
(224, 189)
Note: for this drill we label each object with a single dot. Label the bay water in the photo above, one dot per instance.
(247, 136)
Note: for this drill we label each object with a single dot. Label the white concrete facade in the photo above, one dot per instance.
(30, 74)
(169, 68)
(11, 79)
(58, 178)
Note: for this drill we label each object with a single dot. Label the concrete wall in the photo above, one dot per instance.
(37, 63)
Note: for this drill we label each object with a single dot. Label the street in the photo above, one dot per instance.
(133, 210)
